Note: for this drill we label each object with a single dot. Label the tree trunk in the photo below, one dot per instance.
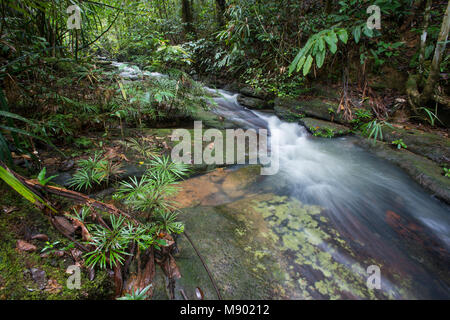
(329, 6)
(186, 14)
(433, 77)
(221, 6)
(423, 38)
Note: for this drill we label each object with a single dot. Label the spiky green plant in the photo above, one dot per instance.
(374, 129)
(165, 167)
(137, 294)
(94, 171)
(110, 244)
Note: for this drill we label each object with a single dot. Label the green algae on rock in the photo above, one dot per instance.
(273, 247)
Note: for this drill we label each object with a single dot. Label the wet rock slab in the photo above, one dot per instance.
(288, 108)
(430, 145)
(424, 171)
(260, 245)
(270, 247)
(321, 127)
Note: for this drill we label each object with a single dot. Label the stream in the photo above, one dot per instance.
(312, 230)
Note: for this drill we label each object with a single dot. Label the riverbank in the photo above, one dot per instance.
(234, 202)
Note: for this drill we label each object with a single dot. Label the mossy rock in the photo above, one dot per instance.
(427, 144)
(326, 129)
(254, 103)
(314, 108)
(228, 255)
(249, 91)
(210, 119)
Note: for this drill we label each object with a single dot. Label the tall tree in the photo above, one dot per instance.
(420, 98)
(221, 6)
(433, 77)
(187, 17)
(423, 38)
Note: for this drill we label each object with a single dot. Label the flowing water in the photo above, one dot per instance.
(374, 213)
(370, 201)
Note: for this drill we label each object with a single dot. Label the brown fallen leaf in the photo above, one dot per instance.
(113, 153)
(84, 231)
(65, 225)
(53, 286)
(59, 253)
(50, 161)
(76, 254)
(40, 236)
(25, 246)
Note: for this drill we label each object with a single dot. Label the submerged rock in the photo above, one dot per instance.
(271, 247)
(217, 187)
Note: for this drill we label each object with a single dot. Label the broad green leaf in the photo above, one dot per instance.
(294, 63)
(368, 32)
(14, 183)
(308, 46)
(320, 58)
(307, 65)
(331, 42)
(357, 33)
(300, 63)
(315, 48)
(321, 44)
(41, 175)
(333, 36)
(343, 35)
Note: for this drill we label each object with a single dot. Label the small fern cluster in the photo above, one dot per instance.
(111, 242)
(148, 198)
(94, 171)
(151, 193)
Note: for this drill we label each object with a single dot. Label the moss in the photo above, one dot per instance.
(426, 144)
(325, 129)
(314, 108)
(15, 281)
